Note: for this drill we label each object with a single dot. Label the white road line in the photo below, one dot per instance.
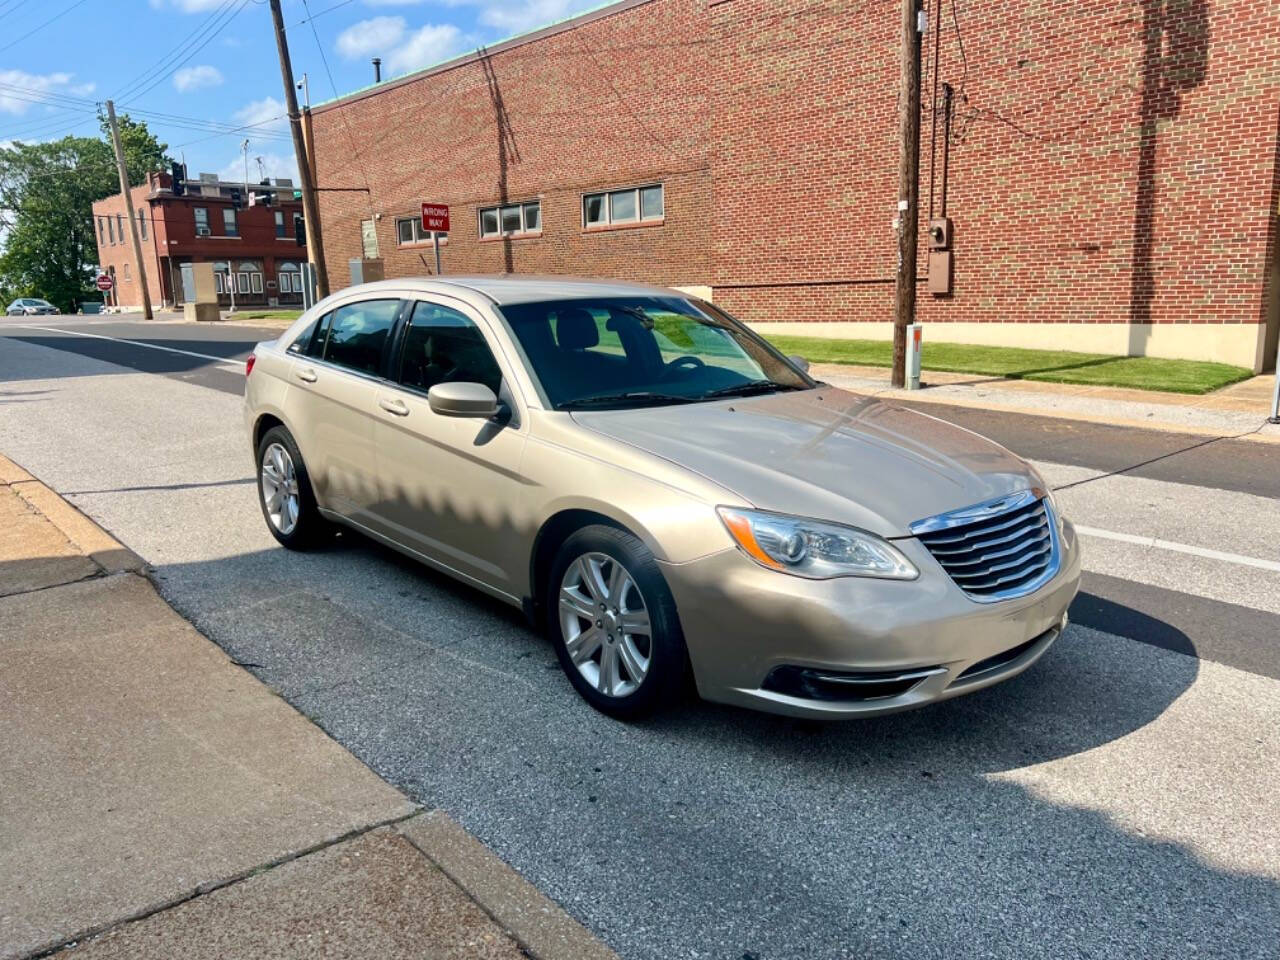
(221, 361)
(1179, 548)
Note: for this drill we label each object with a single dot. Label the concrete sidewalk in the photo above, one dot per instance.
(1240, 409)
(156, 800)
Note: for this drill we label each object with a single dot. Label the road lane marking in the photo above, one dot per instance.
(237, 365)
(1159, 544)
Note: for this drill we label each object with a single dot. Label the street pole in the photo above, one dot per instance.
(244, 148)
(306, 92)
(132, 214)
(908, 185)
(435, 242)
(310, 208)
(1275, 394)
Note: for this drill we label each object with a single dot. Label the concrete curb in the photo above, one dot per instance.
(536, 923)
(98, 545)
(533, 920)
(916, 396)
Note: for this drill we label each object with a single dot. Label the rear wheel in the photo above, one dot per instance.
(285, 495)
(613, 621)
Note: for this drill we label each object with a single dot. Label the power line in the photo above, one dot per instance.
(173, 68)
(56, 16)
(149, 73)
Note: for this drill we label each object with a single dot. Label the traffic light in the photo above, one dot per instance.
(179, 173)
(237, 200)
(300, 231)
(260, 198)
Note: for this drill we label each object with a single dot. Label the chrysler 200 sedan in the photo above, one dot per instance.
(662, 492)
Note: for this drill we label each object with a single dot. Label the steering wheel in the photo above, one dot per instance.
(692, 363)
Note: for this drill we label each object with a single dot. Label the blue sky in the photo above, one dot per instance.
(194, 69)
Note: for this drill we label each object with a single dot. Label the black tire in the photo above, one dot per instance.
(311, 529)
(665, 682)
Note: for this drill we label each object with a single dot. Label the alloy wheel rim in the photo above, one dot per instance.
(605, 624)
(279, 482)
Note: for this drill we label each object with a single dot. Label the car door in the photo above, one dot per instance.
(336, 378)
(451, 487)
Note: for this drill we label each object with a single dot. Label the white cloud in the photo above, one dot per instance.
(188, 6)
(428, 45)
(36, 87)
(375, 36)
(267, 114)
(517, 16)
(273, 165)
(193, 78)
(395, 3)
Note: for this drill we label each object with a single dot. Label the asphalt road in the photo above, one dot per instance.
(1119, 799)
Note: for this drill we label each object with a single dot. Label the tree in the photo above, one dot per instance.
(47, 192)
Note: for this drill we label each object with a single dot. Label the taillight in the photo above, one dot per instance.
(248, 364)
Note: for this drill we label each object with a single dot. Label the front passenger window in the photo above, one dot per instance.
(358, 332)
(443, 346)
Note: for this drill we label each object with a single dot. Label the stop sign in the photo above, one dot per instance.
(103, 282)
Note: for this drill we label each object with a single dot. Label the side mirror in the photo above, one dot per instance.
(463, 400)
(799, 361)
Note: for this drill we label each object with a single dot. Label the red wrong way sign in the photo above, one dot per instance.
(435, 216)
(103, 282)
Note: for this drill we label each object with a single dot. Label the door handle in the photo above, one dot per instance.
(307, 374)
(394, 406)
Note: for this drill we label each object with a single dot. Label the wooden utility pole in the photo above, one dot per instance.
(310, 208)
(908, 185)
(131, 214)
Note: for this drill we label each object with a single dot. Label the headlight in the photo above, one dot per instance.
(813, 549)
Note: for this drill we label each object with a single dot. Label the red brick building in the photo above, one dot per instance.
(1112, 171)
(254, 250)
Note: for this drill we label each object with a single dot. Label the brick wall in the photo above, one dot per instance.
(1111, 162)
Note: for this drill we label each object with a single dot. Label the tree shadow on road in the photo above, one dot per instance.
(1028, 820)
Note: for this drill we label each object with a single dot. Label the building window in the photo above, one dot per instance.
(120, 226)
(290, 277)
(229, 226)
(111, 230)
(142, 223)
(633, 205)
(511, 220)
(409, 230)
(202, 220)
(101, 238)
(280, 224)
(126, 272)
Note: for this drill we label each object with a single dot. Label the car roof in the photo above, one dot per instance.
(521, 288)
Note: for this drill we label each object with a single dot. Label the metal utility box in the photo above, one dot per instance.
(366, 271)
(203, 302)
(941, 267)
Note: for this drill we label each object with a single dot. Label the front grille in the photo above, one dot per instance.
(995, 551)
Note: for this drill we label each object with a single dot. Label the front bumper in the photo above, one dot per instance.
(742, 622)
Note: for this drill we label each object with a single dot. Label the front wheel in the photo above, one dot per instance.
(284, 492)
(613, 621)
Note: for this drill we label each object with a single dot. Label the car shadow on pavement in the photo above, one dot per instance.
(148, 361)
(1057, 814)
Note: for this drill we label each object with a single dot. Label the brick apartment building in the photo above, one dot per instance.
(1112, 169)
(254, 249)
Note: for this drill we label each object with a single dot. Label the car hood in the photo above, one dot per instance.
(826, 454)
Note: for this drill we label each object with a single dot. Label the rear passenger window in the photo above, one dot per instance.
(358, 332)
(303, 340)
(443, 346)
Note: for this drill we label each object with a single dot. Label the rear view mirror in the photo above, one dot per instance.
(799, 361)
(463, 400)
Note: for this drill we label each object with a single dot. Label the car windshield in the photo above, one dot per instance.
(618, 352)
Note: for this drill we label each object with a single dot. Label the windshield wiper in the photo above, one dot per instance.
(631, 398)
(750, 387)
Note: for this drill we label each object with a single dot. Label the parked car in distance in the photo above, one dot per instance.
(662, 492)
(30, 307)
